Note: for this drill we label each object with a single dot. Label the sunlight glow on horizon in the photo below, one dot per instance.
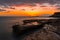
(27, 10)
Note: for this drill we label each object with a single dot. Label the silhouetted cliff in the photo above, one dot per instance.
(56, 14)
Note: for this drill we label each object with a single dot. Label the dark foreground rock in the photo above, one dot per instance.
(47, 33)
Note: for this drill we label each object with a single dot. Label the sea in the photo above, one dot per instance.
(6, 24)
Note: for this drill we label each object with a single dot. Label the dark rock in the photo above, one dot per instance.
(56, 14)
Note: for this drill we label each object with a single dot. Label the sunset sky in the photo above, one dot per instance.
(28, 7)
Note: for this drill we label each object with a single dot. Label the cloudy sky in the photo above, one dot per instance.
(28, 7)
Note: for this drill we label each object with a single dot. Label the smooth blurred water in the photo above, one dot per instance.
(6, 24)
